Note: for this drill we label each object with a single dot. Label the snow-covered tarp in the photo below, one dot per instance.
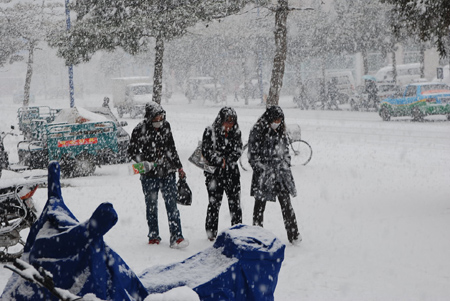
(243, 264)
(74, 253)
(78, 115)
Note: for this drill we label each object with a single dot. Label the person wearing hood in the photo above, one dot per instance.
(152, 141)
(268, 155)
(372, 93)
(106, 102)
(222, 148)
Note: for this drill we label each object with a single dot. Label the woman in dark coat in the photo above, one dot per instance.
(222, 147)
(268, 151)
(152, 141)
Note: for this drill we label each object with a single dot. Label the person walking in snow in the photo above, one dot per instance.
(372, 91)
(268, 151)
(106, 102)
(152, 141)
(333, 92)
(222, 148)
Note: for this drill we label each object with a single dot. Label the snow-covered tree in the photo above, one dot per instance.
(107, 25)
(23, 26)
(429, 19)
(228, 50)
(361, 26)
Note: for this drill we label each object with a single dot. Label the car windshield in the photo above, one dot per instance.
(104, 112)
(142, 90)
(439, 88)
(386, 88)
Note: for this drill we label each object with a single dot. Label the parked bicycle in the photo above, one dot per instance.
(300, 150)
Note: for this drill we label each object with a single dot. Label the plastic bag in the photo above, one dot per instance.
(184, 193)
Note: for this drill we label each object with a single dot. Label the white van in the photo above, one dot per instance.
(406, 73)
(345, 83)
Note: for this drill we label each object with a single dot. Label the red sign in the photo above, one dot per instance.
(77, 142)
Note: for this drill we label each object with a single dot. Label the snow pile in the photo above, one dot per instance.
(183, 293)
(78, 115)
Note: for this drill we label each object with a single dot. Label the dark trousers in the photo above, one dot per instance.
(167, 185)
(216, 186)
(290, 221)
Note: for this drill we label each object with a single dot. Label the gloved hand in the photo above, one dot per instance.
(181, 173)
(148, 166)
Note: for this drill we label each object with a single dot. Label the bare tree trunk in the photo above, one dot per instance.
(26, 90)
(365, 61)
(158, 72)
(276, 81)
(394, 67)
(246, 88)
(259, 72)
(422, 60)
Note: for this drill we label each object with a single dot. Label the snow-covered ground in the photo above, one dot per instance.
(373, 205)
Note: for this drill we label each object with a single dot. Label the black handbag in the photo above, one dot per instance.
(184, 193)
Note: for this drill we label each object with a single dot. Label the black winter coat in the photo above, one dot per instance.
(217, 147)
(268, 152)
(155, 145)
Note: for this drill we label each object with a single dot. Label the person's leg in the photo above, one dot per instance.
(215, 193)
(233, 192)
(290, 221)
(258, 212)
(150, 187)
(169, 193)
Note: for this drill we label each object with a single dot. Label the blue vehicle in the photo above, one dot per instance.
(418, 100)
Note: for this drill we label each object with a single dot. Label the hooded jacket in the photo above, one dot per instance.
(217, 146)
(154, 144)
(268, 152)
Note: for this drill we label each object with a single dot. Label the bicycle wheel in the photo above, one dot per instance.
(301, 152)
(243, 160)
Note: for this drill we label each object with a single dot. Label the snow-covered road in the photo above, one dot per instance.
(373, 205)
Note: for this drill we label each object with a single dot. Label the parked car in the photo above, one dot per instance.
(345, 84)
(387, 89)
(136, 96)
(418, 100)
(203, 88)
(312, 95)
(361, 102)
(315, 91)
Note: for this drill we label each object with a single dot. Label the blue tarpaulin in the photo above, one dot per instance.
(74, 253)
(243, 264)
